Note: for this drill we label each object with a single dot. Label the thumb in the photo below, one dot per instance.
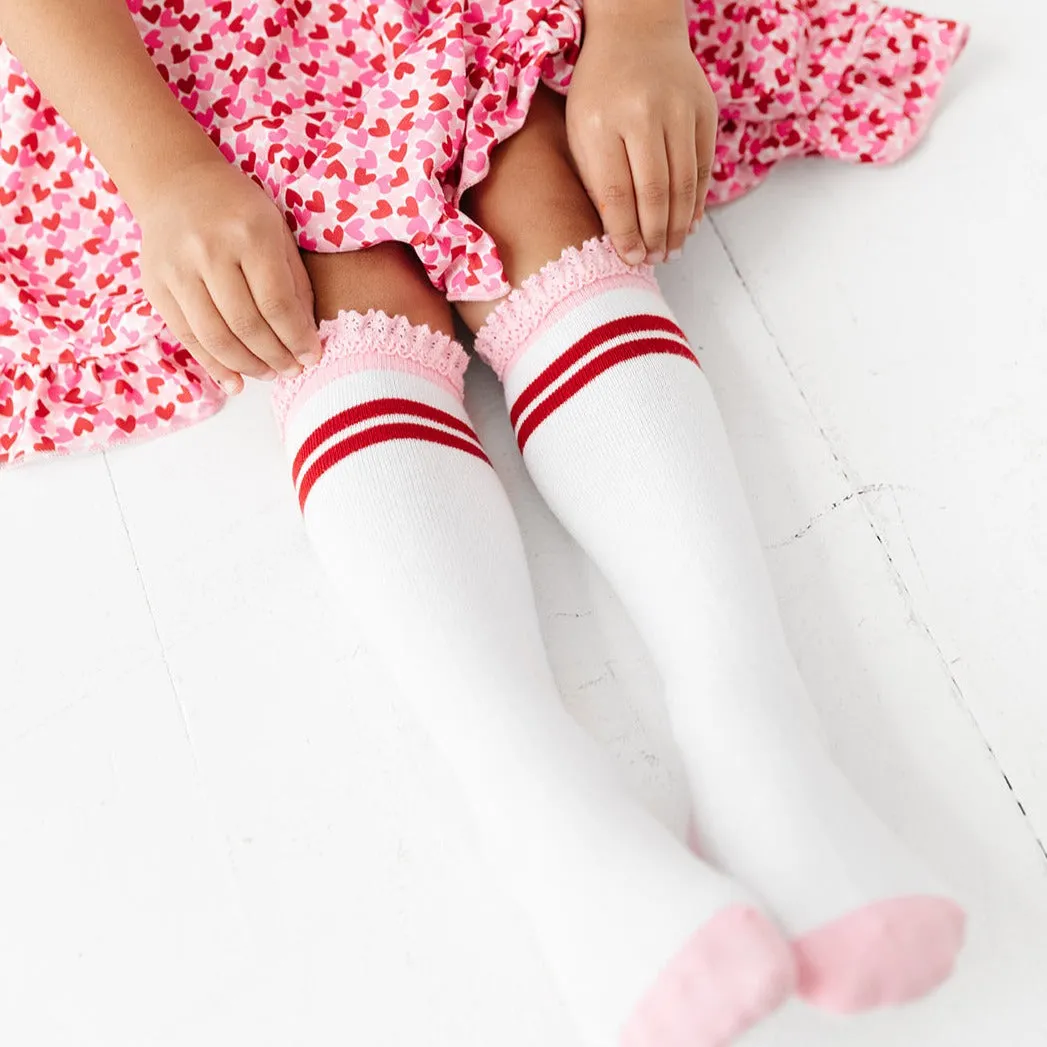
(304, 292)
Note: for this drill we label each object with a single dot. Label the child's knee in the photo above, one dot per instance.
(532, 202)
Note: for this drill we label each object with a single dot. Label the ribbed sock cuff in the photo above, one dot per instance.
(374, 341)
(576, 275)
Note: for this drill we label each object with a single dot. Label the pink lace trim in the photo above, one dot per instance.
(354, 335)
(527, 307)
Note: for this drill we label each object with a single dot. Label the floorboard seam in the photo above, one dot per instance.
(856, 492)
(152, 616)
(182, 715)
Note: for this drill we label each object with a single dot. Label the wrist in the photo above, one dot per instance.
(154, 162)
(632, 16)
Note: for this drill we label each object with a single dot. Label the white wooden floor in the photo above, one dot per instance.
(216, 830)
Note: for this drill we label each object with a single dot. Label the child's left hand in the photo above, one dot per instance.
(641, 122)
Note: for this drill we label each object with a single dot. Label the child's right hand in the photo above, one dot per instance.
(221, 267)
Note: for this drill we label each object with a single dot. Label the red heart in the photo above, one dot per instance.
(336, 169)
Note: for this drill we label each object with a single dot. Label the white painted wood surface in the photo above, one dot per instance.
(216, 828)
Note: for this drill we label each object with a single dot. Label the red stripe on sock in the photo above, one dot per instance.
(581, 378)
(373, 409)
(593, 340)
(377, 434)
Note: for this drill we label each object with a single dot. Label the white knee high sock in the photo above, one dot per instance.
(650, 945)
(619, 429)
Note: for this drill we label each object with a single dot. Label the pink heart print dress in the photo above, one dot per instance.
(367, 122)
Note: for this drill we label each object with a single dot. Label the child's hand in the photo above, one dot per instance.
(221, 267)
(641, 121)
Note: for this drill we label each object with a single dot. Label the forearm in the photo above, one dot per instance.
(626, 14)
(91, 64)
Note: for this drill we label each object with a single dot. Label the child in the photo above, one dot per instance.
(420, 153)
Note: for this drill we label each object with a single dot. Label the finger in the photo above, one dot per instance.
(650, 168)
(241, 310)
(705, 144)
(304, 291)
(176, 323)
(683, 182)
(212, 333)
(612, 192)
(277, 297)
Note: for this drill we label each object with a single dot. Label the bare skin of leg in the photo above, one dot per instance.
(532, 202)
(387, 277)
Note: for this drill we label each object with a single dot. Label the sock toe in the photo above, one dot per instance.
(887, 953)
(734, 971)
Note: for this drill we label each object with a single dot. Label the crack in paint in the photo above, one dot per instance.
(868, 489)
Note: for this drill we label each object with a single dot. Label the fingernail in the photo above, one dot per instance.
(267, 376)
(675, 256)
(635, 256)
(695, 224)
(655, 257)
(231, 386)
(310, 359)
(291, 371)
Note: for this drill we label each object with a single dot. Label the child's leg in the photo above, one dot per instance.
(531, 202)
(620, 431)
(386, 278)
(649, 944)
